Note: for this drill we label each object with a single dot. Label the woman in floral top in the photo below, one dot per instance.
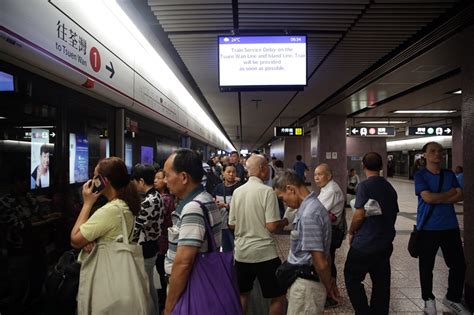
(169, 206)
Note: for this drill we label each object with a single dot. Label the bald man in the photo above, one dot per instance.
(254, 215)
(332, 198)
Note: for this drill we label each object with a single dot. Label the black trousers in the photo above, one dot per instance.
(377, 265)
(450, 243)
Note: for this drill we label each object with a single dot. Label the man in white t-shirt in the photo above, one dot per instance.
(254, 215)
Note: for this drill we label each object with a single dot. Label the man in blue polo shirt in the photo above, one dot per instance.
(441, 229)
(371, 235)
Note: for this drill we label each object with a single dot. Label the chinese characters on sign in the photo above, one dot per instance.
(288, 131)
(71, 44)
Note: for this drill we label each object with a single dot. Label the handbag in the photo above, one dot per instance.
(113, 279)
(415, 235)
(287, 273)
(212, 286)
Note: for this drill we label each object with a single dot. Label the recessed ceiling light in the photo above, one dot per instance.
(425, 111)
(457, 92)
(385, 122)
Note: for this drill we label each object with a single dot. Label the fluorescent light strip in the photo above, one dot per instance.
(176, 90)
(35, 127)
(384, 122)
(425, 111)
(418, 142)
(457, 92)
(1, 117)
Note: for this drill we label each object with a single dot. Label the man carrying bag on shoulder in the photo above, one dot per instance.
(309, 250)
(437, 191)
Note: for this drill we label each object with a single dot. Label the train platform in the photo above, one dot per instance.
(405, 285)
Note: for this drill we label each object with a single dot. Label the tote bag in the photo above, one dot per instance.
(212, 286)
(113, 279)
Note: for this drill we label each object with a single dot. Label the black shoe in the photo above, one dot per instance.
(330, 303)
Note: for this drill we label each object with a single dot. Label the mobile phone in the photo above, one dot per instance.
(99, 183)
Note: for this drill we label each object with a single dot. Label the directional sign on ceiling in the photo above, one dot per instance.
(427, 131)
(288, 131)
(372, 131)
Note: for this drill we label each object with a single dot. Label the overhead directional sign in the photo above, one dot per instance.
(427, 131)
(289, 131)
(372, 131)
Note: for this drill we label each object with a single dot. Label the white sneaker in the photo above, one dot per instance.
(430, 307)
(457, 308)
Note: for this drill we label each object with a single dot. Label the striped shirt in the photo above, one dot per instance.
(189, 227)
(311, 232)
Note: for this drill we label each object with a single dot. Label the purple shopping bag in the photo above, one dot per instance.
(212, 285)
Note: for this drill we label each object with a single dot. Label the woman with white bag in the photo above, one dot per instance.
(112, 278)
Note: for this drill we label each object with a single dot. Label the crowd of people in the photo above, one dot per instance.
(166, 211)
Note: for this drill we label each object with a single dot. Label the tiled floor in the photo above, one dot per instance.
(405, 284)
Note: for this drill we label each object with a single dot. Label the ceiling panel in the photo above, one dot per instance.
(345, 38)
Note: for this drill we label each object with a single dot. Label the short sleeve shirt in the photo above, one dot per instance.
(443, 216)
(376, 232)
(253, 205)
(189, 227)
(311, 231)
(332, 198)
(106, 223)
(224, 194)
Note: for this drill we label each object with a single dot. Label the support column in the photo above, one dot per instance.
(293, 147)
(468, 157)
(119, 133)
(357, 147)
(328, 145)
(457, 143)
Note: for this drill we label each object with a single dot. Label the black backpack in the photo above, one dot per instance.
(62, 283)
(212, 180)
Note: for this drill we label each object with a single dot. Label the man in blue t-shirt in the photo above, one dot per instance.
(300, 167)
(371, 235)
(441, 229)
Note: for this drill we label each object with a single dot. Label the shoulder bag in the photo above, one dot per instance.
(415, 235)
(113, 279)
(212, 286)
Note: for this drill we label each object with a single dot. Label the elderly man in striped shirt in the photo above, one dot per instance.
(310, 244)
(183, 173)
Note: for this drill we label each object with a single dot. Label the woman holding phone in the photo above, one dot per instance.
(112, 181)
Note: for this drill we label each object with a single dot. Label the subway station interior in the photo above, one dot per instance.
(139, 79)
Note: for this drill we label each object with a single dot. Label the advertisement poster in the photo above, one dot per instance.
(146, 155)
(104, 148)
(78, 158)
(40, 153)
(128, 157)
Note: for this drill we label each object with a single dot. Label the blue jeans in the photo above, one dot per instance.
(227, 240)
